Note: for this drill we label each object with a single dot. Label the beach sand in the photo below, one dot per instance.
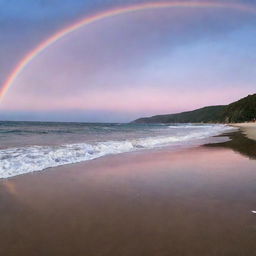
(193, 202)
(248, 128)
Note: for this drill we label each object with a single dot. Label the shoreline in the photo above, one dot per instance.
(249, 129)
(197, 201)
(31, 159)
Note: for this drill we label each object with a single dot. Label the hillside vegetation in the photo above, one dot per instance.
(243, 110)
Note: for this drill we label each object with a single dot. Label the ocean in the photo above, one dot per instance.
(34, 146)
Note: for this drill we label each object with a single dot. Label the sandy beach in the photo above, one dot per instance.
(127, 128)
(195, 201)
(248, 128)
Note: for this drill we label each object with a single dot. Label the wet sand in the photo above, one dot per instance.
(193, 202)
(249, 129)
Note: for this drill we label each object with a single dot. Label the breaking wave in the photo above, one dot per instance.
(21, 160)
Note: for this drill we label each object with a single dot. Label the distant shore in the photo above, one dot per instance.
(249, 129)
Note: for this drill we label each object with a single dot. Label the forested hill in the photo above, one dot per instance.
(243, 110)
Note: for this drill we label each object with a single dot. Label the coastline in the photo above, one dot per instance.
(196, 201)
(249, 129)
(37, 152)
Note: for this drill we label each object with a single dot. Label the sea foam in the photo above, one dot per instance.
(21, 160)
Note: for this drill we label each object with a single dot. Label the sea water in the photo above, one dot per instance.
(33, 146)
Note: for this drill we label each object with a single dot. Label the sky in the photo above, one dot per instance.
(136, 64)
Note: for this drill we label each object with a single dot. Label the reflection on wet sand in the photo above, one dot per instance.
(238, 143)
(10, 187)
(193, 202)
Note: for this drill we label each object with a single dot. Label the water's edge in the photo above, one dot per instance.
(20, 160)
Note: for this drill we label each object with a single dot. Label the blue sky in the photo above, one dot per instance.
(198, 57)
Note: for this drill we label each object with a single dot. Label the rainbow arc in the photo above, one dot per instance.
(107, 14)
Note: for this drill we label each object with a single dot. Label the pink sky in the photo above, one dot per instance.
(152, 62)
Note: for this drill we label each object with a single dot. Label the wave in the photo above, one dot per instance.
(16, 161)
(190, 126)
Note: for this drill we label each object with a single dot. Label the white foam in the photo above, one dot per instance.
(16, 161)
(190, 126)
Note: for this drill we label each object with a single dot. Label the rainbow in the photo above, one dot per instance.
(106, 14)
